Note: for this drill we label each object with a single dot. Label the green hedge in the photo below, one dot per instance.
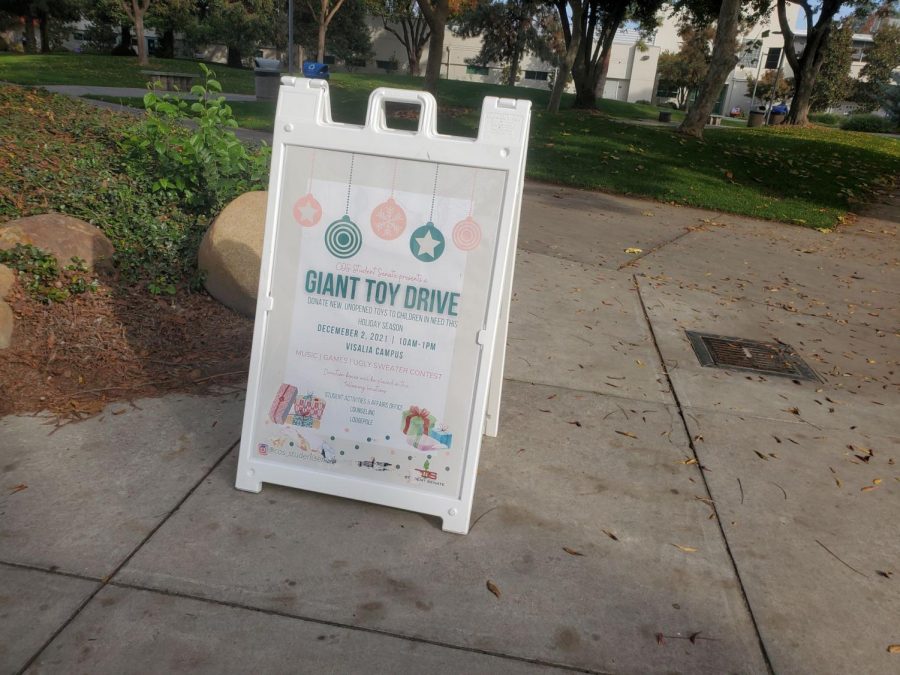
(870, 123)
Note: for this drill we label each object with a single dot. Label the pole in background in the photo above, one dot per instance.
(775, 86)
(290, 37)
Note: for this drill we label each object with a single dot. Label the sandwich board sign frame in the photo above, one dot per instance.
(384, 292)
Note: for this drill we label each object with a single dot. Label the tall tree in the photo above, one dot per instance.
(136, 9)
(722, 61)
(834, 83)
(436, 13)
(348, 33)
(404, 20)
(599, 21)
(169, 17)
(241, 24)
(807, 64)
(507, 29)
(881, 60)
(323, 12)
(685, 70)
(568, 48)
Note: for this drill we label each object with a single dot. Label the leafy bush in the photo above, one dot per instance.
(829, 119)
(40, 275)
(870, 123)
(206, 166)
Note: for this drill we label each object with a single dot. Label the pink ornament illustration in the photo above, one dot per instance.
(307, 211)
(388, 220)
(467, 234)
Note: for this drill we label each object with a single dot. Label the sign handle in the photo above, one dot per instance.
(377, 120)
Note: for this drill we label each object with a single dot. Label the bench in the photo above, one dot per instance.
(715, 120)
(169, 81)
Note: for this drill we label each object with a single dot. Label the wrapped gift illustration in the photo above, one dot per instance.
(417, 423)
(308, 411)
(442, 435)
(281, 404)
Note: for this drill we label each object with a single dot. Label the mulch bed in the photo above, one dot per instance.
(118, 344)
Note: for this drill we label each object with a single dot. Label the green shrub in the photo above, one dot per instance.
(206, 166)
(829, 119)
(40, 275)
(870, 123)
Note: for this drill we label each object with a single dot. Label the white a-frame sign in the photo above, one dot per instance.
(386, 269)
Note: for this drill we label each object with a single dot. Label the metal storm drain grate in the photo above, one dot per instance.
(772, 358)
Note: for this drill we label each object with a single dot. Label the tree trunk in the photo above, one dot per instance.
(562, 75)
(138, 19)
(30, 38)
(320, 45)
(125, 40)
(436, 17)
(514, 68)
(45, 33)
(804, 83)
(234, 57)
(721, 63)
(605, 54)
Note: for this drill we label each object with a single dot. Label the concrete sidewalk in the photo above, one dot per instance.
(729, 522)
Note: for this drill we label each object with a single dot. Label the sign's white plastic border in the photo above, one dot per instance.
(303, 118)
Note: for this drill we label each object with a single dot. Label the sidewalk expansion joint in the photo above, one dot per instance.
(654, 249)
(50, 570)
(361, 629)
(687, 433)
(104, 582)
(590, 391)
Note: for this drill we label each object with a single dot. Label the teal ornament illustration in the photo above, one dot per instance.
(343, 238)
(427, 243)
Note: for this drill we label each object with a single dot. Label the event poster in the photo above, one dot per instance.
(381, 274)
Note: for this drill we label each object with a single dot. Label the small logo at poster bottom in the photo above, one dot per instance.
(262, 449)
(430, 475)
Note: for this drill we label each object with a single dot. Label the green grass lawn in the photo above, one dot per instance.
(108, 71)
(812, 176)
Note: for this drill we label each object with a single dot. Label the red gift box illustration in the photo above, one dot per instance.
(281, 404)
(309, 408)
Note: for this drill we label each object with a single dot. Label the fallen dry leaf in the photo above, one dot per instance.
(869, 487)
(685, 549)
(893, 649)
(661, 640)
(693, 637)
(626, 433)
(610, 535)
(570, 551)
(688, 460)
(632, 250)
(492, 587)
(18, 488)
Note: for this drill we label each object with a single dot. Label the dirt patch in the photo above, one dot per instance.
(117, 344)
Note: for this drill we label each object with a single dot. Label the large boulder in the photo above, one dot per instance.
(63, 236)
(7, 279)
(6, 325)
(231, 250)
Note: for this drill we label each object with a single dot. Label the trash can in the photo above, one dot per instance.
(315, 70)
(756, 118)
(665, 115)
(268, 79)
(779, 112)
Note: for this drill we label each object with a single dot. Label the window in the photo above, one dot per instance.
(356, 63)
(476, 70)
(773, 58)
(666, 90)
(328, 60)
(78, 35)
(540, 75)
(386, 65)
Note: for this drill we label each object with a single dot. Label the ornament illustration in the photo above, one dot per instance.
(427, 243)
(388, 218)
(467, 234)
(307, 210)
(343, 238)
